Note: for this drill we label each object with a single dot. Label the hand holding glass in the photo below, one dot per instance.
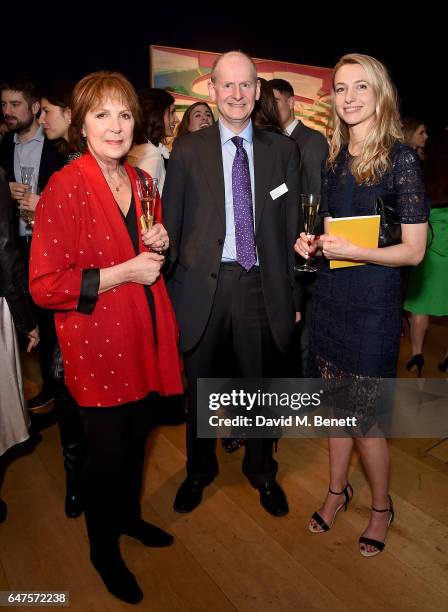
(27, 174)
(147, 191)
(310, 206)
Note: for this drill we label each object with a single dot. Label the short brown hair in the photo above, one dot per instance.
(23, 85)
(88, 94)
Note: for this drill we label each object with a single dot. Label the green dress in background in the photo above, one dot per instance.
(427, 291)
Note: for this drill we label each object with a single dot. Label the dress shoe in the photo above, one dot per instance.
(42, 399)
(273, 498)
(3, 510)
(189, 495)
(118, 580)
(230, 445)
(148, 534)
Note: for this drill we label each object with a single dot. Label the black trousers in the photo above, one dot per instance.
(236, 342)
(45, 321)
(115, 440)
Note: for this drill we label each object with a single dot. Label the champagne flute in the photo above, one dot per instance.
(310, 203)
(147, 190)
(27, 174)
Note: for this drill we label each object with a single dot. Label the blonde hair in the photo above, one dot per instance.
(374, 159)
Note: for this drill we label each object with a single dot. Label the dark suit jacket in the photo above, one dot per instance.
(13, 285)
(194, 215)
(313, 151)
(51, 160)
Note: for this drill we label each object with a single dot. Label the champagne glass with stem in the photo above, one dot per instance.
(147, 191)
(310, 203)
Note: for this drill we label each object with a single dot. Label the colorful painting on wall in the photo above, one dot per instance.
(185, 73)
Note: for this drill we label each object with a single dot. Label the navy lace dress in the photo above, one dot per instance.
(356, 320)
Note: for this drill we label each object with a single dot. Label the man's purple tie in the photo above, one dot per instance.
(242, 207)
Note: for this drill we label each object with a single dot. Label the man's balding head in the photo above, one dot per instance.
(234, 87)
(232, 55)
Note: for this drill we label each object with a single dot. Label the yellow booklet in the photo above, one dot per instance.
(362, 231)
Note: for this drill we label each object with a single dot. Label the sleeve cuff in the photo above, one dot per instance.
(90, 284)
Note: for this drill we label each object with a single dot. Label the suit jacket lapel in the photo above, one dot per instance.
(211, 160)
(263, 168)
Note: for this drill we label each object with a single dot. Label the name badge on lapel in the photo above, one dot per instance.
(278, 191)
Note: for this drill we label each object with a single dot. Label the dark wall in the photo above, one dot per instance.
(68, 45)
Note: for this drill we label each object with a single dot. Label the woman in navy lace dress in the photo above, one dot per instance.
(356, 323)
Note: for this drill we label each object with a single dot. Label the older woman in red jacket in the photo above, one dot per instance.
(90, 262)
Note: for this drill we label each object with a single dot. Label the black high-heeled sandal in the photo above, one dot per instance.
(376, 543)
(443, 365)
(324, 526)
(417, 361)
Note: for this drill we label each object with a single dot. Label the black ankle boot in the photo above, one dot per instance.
(72, 440)
(119, 581)
(73, 469)
(148, 534)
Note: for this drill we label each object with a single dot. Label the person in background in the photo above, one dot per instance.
(16, 314)
(264, 117)
(55, 119)
(55, 114)
(313, 148)
(427, 290)
(198, 116)
(159, 120)
(312, 144)
(115, 323)
(26, 145)
(415, 134)
(265, 114)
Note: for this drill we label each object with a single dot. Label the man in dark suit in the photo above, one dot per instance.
(231, 209)
(312, 144)
(313, 153)
(26, 145)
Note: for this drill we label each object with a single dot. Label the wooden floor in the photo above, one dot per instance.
(229, 554)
